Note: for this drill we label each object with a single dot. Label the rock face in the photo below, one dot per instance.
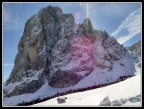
(135, 48)
(87, 30)
(51, 49)
(135, 51)
(43, 33)
(66, 70)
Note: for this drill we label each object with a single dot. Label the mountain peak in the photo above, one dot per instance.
(88, 25)
(88, 30)
(50, 51)
(135, 48)
(52, 9)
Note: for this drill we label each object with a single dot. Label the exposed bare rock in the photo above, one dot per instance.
(52, 49)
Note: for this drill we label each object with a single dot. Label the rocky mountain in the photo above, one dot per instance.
(135, 50)
(52, 51)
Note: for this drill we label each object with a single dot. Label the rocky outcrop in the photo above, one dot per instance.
(25, 87)
(135, 51)
(42, 33)
(66, 70)
(135, 48)
(51, 49)
(87, 30)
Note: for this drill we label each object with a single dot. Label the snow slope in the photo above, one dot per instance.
(125, 89)
(96, 77)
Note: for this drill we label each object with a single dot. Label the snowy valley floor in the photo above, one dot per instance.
(125, 93)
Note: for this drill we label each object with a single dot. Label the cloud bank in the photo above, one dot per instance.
(132, 24)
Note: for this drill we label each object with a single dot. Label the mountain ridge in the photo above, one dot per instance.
(52, 49)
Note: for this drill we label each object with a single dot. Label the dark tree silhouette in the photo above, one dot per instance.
(72, 91)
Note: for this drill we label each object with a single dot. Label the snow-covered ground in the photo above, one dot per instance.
(125, 89)
(128, 88)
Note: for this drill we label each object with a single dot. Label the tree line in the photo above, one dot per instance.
(72, 91)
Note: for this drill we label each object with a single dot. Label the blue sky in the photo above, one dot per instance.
(121, 20)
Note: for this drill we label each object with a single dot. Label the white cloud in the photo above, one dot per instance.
(113, 9)
(131, 24)
(8, 64)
